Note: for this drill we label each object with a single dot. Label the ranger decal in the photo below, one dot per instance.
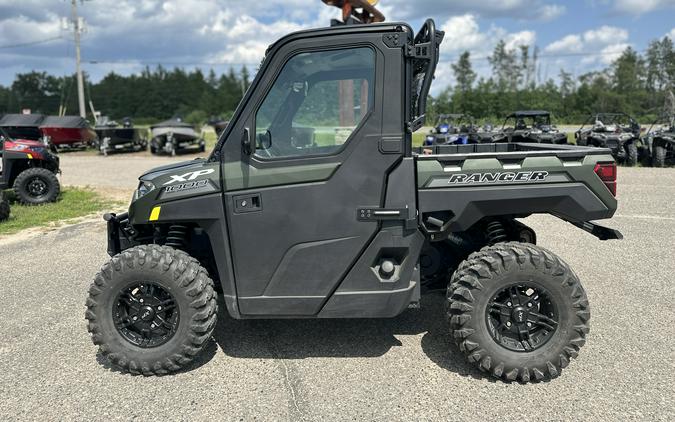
(509, 176)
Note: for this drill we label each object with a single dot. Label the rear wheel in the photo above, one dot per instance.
(151, 310)
(36, 186)
(659, 156)
(518, 312)
(631, 154)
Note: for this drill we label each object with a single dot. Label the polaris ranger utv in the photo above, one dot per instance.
(354, 228)
(532, 126)
(30, 167)
(617, 131)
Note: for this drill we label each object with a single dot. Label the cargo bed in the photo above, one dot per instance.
(510, 150)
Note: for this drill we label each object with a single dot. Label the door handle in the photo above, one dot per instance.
(247, 203)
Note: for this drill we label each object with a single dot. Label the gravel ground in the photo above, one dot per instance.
(115, 175)
(399, 369)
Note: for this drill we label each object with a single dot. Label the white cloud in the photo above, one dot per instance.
(599, 46)
(607, 41)
(514, 9)
(639, 7)
(518, 39)
(463, 33)
(671, 34)
(569, 43)
(612, 52)
(605, 35)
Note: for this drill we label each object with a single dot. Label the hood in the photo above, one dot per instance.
(29, 143)
(178, 181)
(158, 171)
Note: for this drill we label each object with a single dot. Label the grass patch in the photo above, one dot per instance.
(72, 203)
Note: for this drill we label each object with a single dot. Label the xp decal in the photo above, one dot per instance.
(521, 176)
(188, 176)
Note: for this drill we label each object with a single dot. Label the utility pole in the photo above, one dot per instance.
(80, 82)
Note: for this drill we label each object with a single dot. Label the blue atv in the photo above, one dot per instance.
(452, 129)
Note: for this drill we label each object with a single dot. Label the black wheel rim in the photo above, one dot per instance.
(146, 315)
(522, 317)
(36, 187)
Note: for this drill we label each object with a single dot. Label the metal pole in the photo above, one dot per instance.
(80, 81)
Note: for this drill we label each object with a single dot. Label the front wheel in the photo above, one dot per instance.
(518, 312)
(659, 156)
(631, 154)
(151, 310)
(36, 186)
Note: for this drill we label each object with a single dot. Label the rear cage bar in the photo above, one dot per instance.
(424, 52)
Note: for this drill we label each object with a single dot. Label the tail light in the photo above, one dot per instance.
(607, 173)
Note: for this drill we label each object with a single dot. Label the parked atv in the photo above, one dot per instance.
(531, 126)
(452, 129)
(617, 131)
(4, 207)
(487, 133)
(30, 167)
(660, 140)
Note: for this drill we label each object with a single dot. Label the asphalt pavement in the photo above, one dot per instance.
(406, 368)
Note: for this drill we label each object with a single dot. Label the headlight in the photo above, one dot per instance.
(144, 187)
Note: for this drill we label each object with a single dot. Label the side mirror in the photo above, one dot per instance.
(264, 140)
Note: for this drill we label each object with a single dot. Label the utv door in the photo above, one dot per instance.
(314, 145)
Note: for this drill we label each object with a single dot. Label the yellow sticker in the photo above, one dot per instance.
(154, 215)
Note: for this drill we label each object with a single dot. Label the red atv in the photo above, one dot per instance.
(30, 167)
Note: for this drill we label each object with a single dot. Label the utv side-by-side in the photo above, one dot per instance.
(531, 126)
(452, 129)
(30, 168)
(660, 139)
(356, 224)
(617, 131)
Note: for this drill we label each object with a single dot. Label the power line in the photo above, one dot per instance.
(30, 43)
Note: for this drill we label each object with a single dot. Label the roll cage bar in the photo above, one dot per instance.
(669, 119)
(527, 115)
(425, 53)
(596, 116)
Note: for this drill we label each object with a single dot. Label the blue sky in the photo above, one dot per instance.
(126, 35)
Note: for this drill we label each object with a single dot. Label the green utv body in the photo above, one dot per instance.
(314, 204)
